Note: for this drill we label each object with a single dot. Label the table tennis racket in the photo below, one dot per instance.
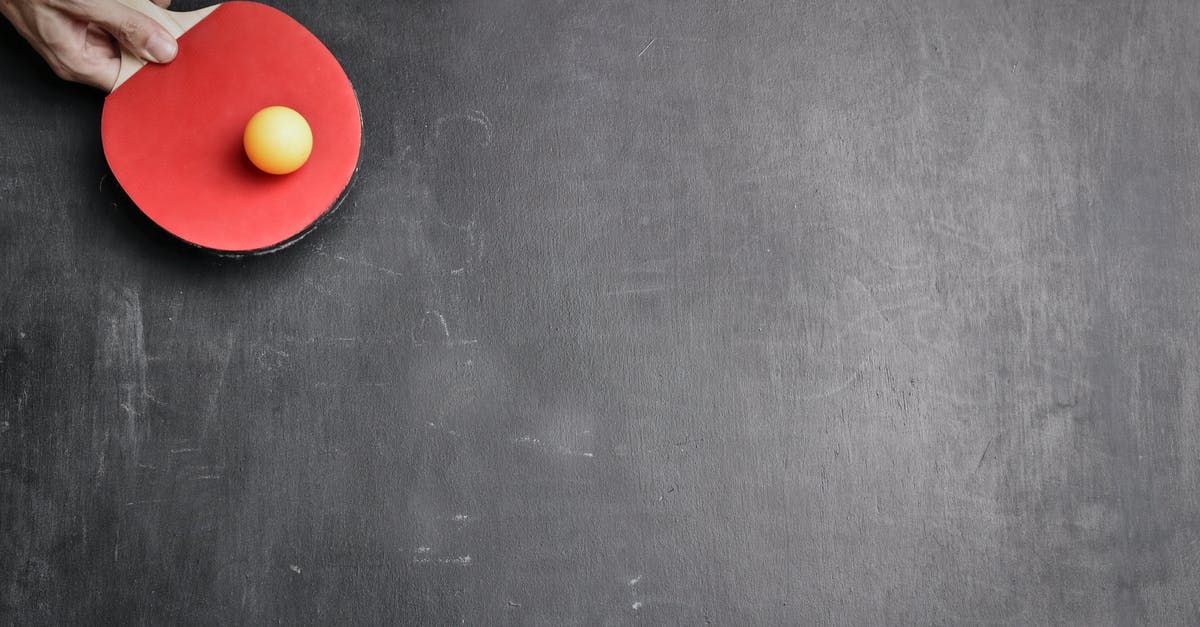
(172, 133)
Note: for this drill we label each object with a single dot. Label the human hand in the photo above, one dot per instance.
(82, 39)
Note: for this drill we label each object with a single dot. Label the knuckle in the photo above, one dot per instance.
(84, 7)
(130, 30)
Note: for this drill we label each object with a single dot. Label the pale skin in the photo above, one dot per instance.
(79, 38)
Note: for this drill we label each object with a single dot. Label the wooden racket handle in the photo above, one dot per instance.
(175, 23)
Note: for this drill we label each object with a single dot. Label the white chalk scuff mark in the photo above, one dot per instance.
(425, 555)
(566, 451)
(120, 361)
(633, 291)
(360, 262)
(431, 324)
(457, 560)
(475, 116)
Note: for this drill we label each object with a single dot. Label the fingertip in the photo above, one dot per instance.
(137, 32)
(161, 48)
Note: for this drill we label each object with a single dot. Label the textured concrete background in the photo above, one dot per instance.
(753, 312)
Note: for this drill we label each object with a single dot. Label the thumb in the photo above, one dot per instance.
(135, 31)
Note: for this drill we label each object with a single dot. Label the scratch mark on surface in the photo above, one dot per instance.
(379, 268)
(948, 230)
(361, 262)
(533, 442)
(475, 116)
(319, 289)
(121, 361)
(652, 40)
(442, 327)
(636, 290)
(440, 429)
(457, 560)
(836, 388)
(983, 455)
(867, 252)
(214, 396)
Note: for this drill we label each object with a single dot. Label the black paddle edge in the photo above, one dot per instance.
(321, 219)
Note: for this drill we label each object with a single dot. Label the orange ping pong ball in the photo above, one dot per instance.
(278, 140)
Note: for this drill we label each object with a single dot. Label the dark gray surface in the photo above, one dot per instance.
(639, 312)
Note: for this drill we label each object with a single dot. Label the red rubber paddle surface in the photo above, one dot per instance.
(173, 133)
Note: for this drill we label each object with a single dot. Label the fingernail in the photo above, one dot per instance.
(161, 49)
